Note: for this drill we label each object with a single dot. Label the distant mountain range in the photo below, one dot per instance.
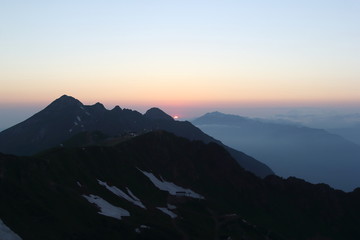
(351, 133)
(67, 117)
(160, 186)
(312, 154)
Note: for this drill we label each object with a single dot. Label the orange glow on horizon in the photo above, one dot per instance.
(180, 104)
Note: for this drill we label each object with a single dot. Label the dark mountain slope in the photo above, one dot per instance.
(313, 154)
(156, 113)
(189, 131)
(64, 118)
(67, 117)
(43, 197)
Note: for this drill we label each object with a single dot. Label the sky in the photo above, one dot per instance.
(187, 57)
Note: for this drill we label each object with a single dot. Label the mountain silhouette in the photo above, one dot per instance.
(66, 117)
(156, 114)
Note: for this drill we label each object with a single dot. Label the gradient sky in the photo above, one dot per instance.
(176, 54)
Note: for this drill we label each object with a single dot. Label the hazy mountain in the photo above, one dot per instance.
(351, 133)
(159, 186)
(67, 116)
(324, 118)
(313, 154)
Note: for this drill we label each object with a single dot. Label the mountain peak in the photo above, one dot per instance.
(65, 101)
(98, 106)
(219, 118)
(220, 114)
(156, 113)
(216, 113)
(116, 109)
(66, 98)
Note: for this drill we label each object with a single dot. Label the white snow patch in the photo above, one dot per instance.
(106, 208)
(78, 118)
(132, 195)
(171, 207)
(141, 228)
(170, 187)
(132, 198)
(167, 212)
(6, 233)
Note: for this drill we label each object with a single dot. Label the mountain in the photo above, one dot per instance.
(312, 154)
(351, 132)
(159, 186)
(67, 117)
(62, 119)
(157, 114)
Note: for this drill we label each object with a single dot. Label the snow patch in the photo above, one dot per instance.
(132, 195)
(170, 187)
(167, 212)
(141, 228)
(132, 198)
(171, 207)
(106, 208)
(6, 233)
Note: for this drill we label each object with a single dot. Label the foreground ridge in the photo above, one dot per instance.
(59, 195)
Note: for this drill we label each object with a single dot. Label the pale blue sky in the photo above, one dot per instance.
(180, 53)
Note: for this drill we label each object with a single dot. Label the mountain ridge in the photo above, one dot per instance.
(66, 116)
(58, 194)
(290, 150)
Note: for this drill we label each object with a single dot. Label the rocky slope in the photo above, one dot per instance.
(159, 186)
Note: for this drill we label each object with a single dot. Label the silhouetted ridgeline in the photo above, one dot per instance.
(67, 116)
